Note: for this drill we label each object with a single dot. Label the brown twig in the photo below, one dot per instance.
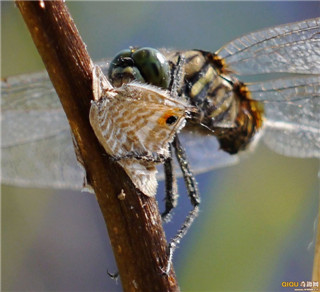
(133, 221)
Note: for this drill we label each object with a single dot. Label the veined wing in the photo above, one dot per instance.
(37, 149)
(291, 123)
(203, 153)
(49, 162)
(292, 113)
(292, 48)
(36, 143)
(31, 109)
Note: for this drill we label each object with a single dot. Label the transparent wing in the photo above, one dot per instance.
(203, 153)
(49, 162)
(37, 149)
(31, 109)
(292, 112)
(36, 144)
(293, 47)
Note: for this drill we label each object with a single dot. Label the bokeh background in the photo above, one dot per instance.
(256, 226)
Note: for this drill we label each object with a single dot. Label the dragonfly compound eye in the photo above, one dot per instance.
(123, 70)
(145, 65)
(153, 66)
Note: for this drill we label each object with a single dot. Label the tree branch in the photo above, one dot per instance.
(134, 224)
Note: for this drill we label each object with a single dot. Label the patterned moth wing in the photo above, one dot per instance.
(135, 124)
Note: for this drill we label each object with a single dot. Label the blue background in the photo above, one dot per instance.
(256, 219)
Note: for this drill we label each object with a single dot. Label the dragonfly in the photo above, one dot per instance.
(232, 116)
(33, 120)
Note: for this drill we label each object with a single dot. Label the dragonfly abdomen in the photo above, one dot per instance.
(248, 122)
(224, 104)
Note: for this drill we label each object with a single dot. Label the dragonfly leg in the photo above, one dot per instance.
(194, 196)
(172, 195)
(190, 181)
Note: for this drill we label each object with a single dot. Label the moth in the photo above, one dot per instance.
(135, 124)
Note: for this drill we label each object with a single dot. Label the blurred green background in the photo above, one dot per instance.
(256, 225)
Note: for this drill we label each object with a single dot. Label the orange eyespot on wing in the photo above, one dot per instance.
(169, 117)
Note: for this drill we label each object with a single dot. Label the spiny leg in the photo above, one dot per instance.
(172, 195)
(194, 196)
(189, 179)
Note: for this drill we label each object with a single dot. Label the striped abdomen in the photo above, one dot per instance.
(225, 106)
